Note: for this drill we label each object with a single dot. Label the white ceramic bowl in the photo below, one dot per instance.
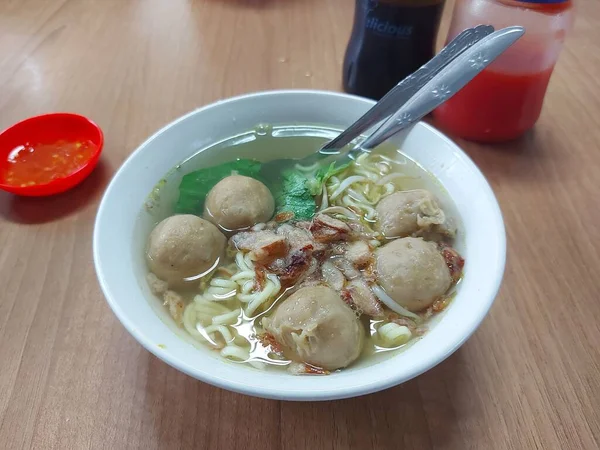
(120, 231)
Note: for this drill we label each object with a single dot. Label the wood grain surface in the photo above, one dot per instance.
(71, 377)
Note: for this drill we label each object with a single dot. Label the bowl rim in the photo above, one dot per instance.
(269, 392)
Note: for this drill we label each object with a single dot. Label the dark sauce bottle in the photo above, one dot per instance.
(390, 40)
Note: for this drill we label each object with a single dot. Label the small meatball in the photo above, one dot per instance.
(315, 326)
(237, 202)
(183, 246)
(407, 212)
(412, 272)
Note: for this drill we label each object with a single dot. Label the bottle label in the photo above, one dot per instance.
(388, 18)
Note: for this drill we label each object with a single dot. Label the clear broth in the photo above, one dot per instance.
(265, 143)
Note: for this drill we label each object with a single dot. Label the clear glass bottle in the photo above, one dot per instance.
(505, 100)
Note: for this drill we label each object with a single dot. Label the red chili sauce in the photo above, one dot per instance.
(35, 164)
(495, 106)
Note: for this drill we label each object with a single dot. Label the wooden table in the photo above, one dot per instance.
(72, 378)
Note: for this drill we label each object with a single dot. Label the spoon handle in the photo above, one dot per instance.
(408, 87)
(444, 85)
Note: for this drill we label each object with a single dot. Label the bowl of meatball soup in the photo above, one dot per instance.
(297, 281)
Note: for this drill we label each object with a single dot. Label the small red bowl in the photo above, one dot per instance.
(49, 128)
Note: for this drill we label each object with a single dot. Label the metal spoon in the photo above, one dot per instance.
(440, 88)
(406, 88)
(390, 103)
(444, 85)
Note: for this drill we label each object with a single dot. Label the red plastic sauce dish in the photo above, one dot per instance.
(48, 154)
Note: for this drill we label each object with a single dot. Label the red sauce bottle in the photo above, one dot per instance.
(505, 100)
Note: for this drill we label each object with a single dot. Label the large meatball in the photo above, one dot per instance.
(412, 272)
(183, 246)
(315, 326)
(406, 212)
(239, 202)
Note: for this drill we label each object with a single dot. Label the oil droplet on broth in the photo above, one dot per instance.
(263, 129)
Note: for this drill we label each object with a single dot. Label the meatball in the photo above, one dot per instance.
(239, 202)
(412, 272)
(183, 246)
(404, 213)
(315, 326)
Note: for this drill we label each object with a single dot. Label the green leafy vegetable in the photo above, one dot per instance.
(293, 192)
(296, 192)
(323, 174)
(293, 195)
(195, 185)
